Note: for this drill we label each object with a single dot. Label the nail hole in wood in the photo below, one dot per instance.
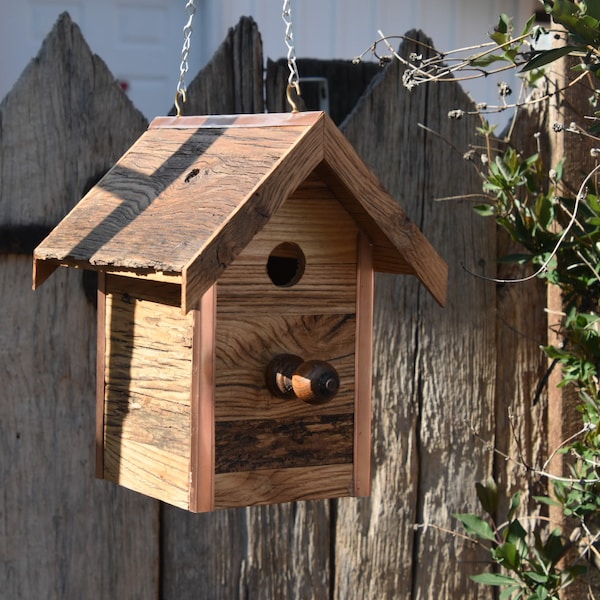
(191, 175)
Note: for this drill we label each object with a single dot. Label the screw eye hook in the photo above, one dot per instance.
(296, 86)
(180, 94)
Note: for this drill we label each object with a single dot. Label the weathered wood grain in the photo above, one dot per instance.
(232, 81)
(326, 236)
(283, 443)
(148, 388)
(245, 346)
(63, 534)
(521, 396)
(282, 485)
(431, 377)
(157, 181)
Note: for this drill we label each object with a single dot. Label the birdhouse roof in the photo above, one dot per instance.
(192, 192)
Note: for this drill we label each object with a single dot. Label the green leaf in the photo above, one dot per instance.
(515, 501)
(485, 60)
(519, 258)
(546, 500)
(544, 210)
(488, 495)
(536, 577)
(529, 25)
(508, 592)
(475, 525)
(594, 203)
(515, 532)
(484, 210)
(544, 57)
(507, 555)
(593, 9)
(493, 579)
(554, 546)
(582, 27)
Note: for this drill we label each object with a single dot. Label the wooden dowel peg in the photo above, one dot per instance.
(313, 381)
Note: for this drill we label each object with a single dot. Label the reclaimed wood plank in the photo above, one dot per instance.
(245, 346)
(431, 379)
(282, 485)
(148, 384)
(147, 470)
(235, 70)
(63, 124)
(283, 443)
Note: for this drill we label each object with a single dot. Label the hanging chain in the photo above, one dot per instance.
(294, 77)
(181, 94)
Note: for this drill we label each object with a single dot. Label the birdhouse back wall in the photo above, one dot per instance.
(292, 290)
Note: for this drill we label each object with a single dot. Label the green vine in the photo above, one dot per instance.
(559, 235)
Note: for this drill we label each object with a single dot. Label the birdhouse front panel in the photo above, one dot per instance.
(293, 290)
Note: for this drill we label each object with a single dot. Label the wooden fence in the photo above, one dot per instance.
(439, 374)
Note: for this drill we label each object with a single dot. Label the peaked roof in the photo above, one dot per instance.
(192, 192)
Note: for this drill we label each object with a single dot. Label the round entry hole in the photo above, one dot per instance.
(286, 264)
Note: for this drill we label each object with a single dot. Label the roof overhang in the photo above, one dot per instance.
(191, 193)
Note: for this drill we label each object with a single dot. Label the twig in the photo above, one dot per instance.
(584, 429)
(544, 267)
(530, 469)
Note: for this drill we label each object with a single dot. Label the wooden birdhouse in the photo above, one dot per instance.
(235, 257)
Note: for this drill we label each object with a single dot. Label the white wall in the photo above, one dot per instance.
(141, 39)
(450, 23)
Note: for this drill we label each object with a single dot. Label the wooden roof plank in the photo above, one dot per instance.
(399, 245)
(175, 188)
(192, 192)
(292, 168)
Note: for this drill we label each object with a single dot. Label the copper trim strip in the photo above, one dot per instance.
(202, 468)
(363, 368)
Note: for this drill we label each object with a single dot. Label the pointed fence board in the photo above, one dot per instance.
(64, 533)
(232, 82)
(432, 378)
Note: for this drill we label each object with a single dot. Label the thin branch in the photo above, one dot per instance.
(528, 468)
(461, 197)
(583, 430)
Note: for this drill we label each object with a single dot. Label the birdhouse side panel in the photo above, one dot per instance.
(147, 389)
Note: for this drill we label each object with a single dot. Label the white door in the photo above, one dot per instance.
(140, 40)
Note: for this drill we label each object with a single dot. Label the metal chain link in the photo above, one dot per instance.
(190, 11)
(294, 77)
